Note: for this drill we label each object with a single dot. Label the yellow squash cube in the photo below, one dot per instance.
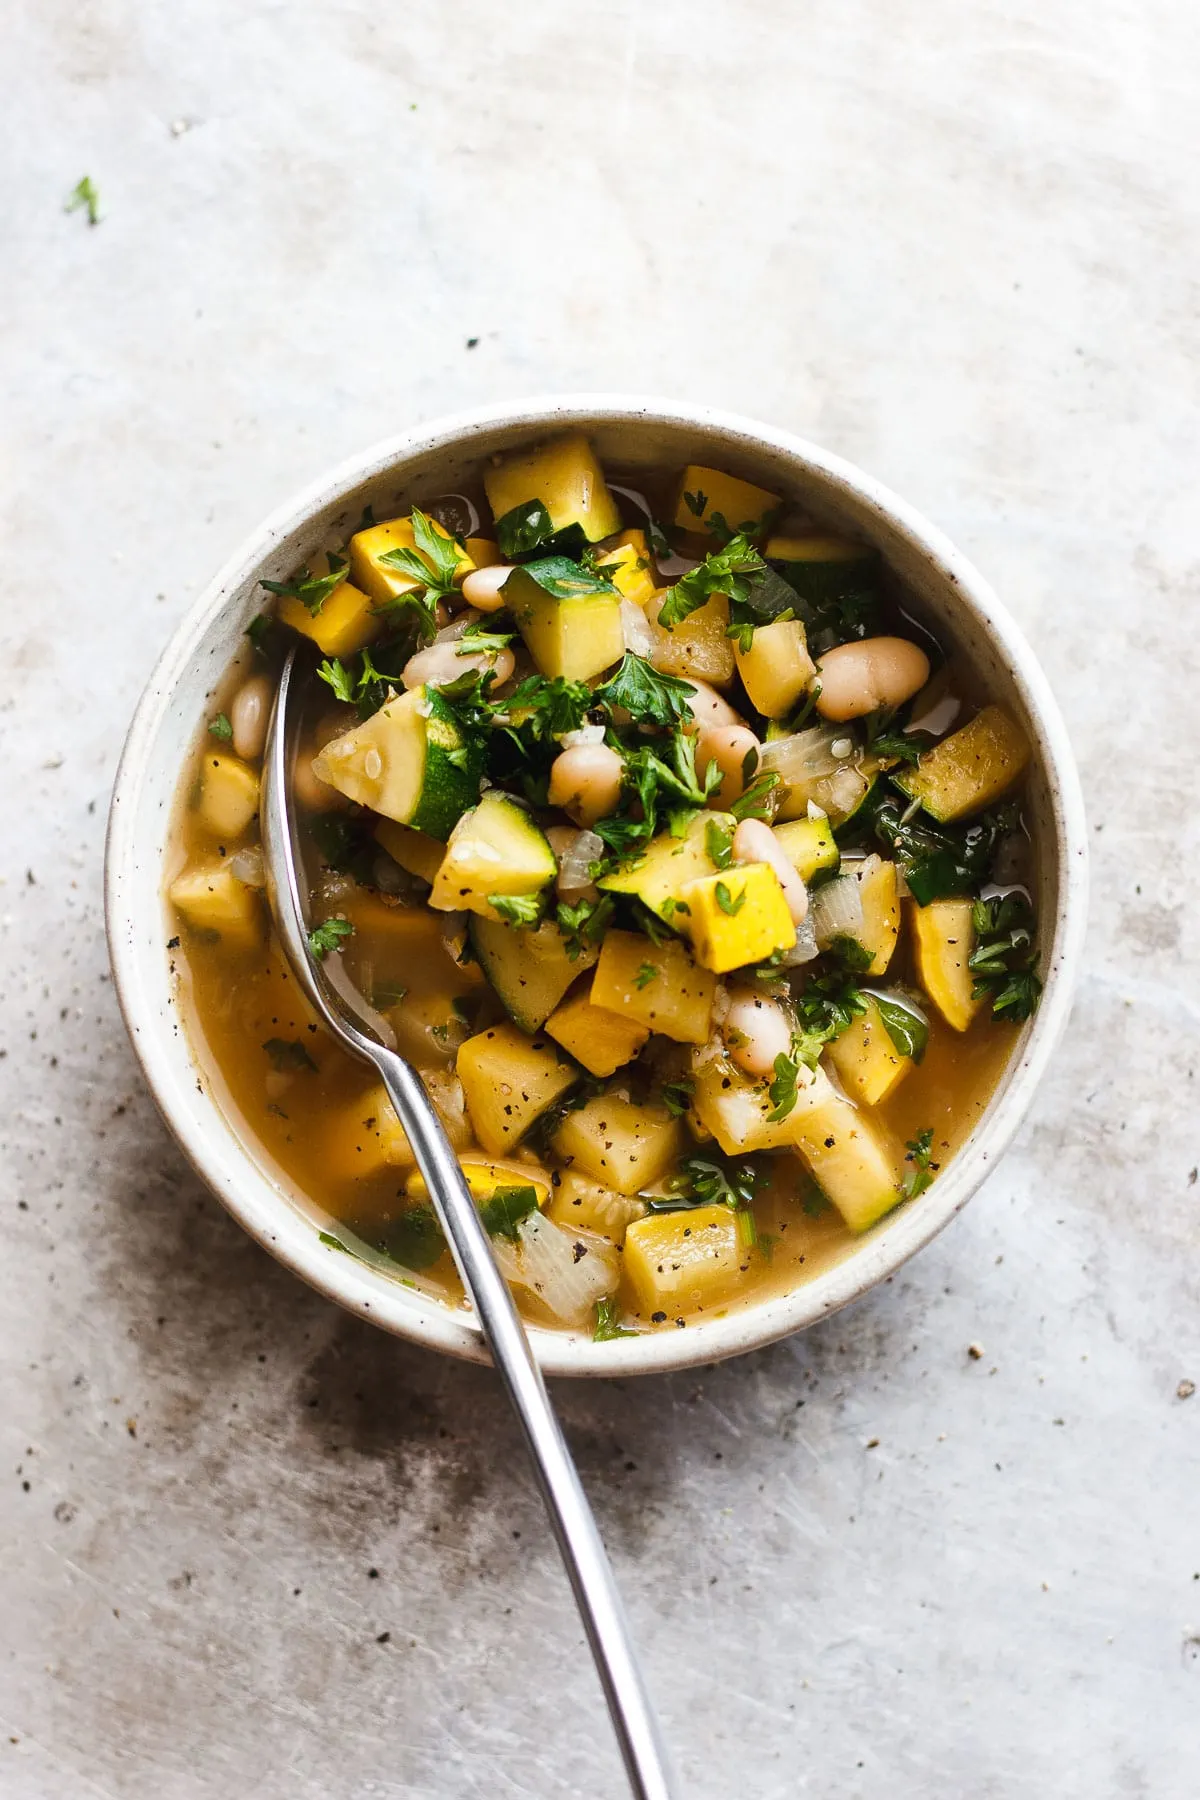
(568, 480)
(618, 1144)
(866, 1061)
(737, 917)
(579, 1204)
(850, 1159)
(346, 620)
(365, 1137)
(658, 873)
(373, 575)
(415, 851)
(657, 986)
(509, 1080)
(683, 1261)
(228, 794)
(483, 552)
(485, 1177)
(736, 1109)
(601, 1040)
(630, 568)
(777, 669)
(699, 647)
(211, 898)
(741, 505)
(970, 768)
(944, 934)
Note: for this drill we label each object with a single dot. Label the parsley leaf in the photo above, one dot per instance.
(414, 1239)
(908, 1031)
(431, 560)
(718, 841)
(221, 728)
(328, 936)
(782, 1090)
(937, 861)
(504, 1212)
(84, 194)
(729, 903)
(335, 672)
(828, 1006)
(759, 800)
(608, 1325)
(647, 973)
(258, 631)
(722, 572)
(312, 591)
(584, 923)
(529, 527)
(676, 1096)
(477, 641)
(517, 909)
(1004, 956)
(646, 693)
(705, 1181)
(287, 1054)
(919, 1154)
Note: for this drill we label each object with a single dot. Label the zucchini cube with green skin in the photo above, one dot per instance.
(678, 1261)
(864, 1058)
(809, 845)
(618, 1144)
(509, 1080)
(835, 581)
(495, 849)
(971, 768)
(569, 618)
(568, 482)
(737, 917)
(409, 761)
(776, 669)
(530, 971)
(657, 986)
(850, 1159)
(228, 797)
(707, 496)
(736, 1109)
(659, 874)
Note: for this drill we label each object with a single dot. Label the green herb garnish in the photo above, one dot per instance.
(608, 1323)
(718, 841)
(287, 1054)
(676, 1096)
(312, 591)
(646, 693)
(919, 1152)
(84, 194)
(328, 936)
(722, 572)
(507, 1207)
(584, 923)
(517, 909)
(729, 903)
(1004, 957)
(221, 728)
(645, 975)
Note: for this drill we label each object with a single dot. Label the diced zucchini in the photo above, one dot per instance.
(420, 854)
(509, 1080)
(409, 762)
(657, 986)
(228, 794)
(496, 848)
(836, 584)
(630, 568)
(777, 668)
(850, 1160)
(699, 647)
(970, 768)
(708, 499)
(564, 479)
(370, 546)
(810, 772)
(659, 874)
(944, 933)
(486, 1177)
(603, 1041)
(344, 622)
(737, 917)
(618, 1144)
(578, 1204)
(570, 619)
(211, 898)
(809, 846)
(530, 970)
(860, 907)
(366, 1137)
(736, 1109)
(684, 1261)
(866, 1061)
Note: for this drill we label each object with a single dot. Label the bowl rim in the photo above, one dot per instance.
(274, 1220)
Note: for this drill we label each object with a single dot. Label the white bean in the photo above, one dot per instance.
(442, 664)
(754, 842)
(709, 707)
(586, 782)
(728, 746)
(248, 716)
(857, 678)
(482, 587)
(756, 1030)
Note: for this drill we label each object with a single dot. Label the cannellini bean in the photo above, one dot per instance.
(709, 707)
(586, 782)
(756, 1030)
(728, 746)
(248, 716)
(857, 678)
(754, 842)
(442, 664)
(482, 587)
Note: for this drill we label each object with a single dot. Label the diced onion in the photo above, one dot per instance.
(247, 867)
(638, 636)
(805, 947)
(585, 849)
(450, 634)
(586, 734)
(837, 910)
(546, 1260)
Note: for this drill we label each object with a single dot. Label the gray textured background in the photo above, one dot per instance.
(956, 244)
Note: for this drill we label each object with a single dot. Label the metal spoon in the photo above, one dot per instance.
(362, 1031)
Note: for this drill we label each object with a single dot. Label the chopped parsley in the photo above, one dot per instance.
(723, 571)
(287, 1054)
(645, 975)
(919, 1152)
(729, 903)
(828, 1006)
(908, 1030)
(650, 696)
(84, 194)
(312, 591)
(506, 1210)
(783, 1088)
(583, 924)
(759, 799)
(718, 841)
(517, 909)
(608, 1323)
(221, 728)
(1004, 956)
(676, 1096)
(328, 936)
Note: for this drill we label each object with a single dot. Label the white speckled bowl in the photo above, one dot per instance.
(429, 460)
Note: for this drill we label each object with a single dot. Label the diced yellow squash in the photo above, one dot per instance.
(630, 568)
(851, 1160)
(496, 849)
(569, 618)
(876, 878)
(409, 761)
(530, 970)
(809, 845)
(676, 1000)
(737, 917)
(485, 1177)
(509, 1080)
(601, 1040)
(684, 1261)
(706, 492)
(698, 648)
(483, 552)
(228, 794)
(970, 768)
(370, 546)
(399, 951)
(866, 1061)
(659, 874)
(944, 935)
(736, 1109)
(420, 854)
(346, 620)
(366, 1138)
(568, 480)
(211, 898)
(578, 1204)
(618, 1144)
(777, 668)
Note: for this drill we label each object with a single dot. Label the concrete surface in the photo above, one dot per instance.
(250, 1548)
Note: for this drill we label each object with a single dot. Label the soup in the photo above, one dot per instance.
(663, 839)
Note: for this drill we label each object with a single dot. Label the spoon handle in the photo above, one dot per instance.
(574, 1525)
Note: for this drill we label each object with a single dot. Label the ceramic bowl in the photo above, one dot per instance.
(432, 459)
